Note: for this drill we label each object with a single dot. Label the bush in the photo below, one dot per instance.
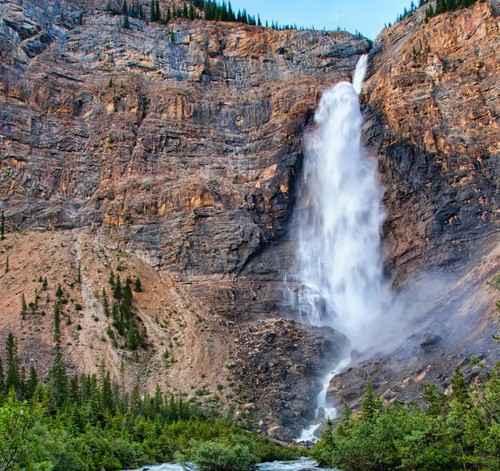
(217, 456)
(460, 431)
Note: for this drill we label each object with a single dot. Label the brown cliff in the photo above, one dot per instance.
(431, 106)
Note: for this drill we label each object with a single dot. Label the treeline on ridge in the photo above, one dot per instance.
(210, 10)
(435, 7)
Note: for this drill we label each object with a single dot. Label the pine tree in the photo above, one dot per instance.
(152, 17)
(138, 285)
(2, 226)
(24, 307)
(57, 373)
(32, 383)
(105, 302)
(107, 400)
(12, 377)
(2, 380)
(459, 387)
(117, 291)
(157, 10)
(125, 23)
(370, 404)
(74, 390)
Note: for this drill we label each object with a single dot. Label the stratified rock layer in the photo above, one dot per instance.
(431, 105)
(432, 117)
(173, 148)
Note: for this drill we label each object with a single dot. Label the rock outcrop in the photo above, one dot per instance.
(279, 365)
(431, 106)
(432, 117)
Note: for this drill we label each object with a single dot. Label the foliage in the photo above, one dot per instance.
(16, 434)
(217, 456)
(435, 7)
(125, 319)
(442, 6)
(2, 226)
(86, 422)
(210, 10)
(460, 431)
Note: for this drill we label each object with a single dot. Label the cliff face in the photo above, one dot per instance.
(431, 107)
(172, 152)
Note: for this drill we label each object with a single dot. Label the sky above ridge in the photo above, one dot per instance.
(365, 16)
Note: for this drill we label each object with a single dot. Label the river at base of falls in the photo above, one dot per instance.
(302, 464)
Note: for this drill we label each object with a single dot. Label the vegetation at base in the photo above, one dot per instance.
(459, 431)
(215, 456)
(86, 423)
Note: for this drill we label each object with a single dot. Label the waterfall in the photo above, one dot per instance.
(340, 272)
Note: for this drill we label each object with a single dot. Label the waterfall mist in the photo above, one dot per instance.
(340, 269)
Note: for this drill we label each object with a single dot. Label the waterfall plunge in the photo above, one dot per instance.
(340, 270)
(340, 256)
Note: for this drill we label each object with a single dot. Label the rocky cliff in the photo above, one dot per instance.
(172, 152)
(431, 107)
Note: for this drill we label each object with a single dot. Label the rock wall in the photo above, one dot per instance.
(172, 148)
(432, 118)
(431, 107)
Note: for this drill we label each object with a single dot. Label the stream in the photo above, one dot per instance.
(303, 464)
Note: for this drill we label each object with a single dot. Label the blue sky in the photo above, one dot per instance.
(366, 16)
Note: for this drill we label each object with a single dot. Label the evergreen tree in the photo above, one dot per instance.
(105, 302)
(32, 383)
(138, 285)
(157, 10)
(126, 25)
(24, 307)
(152, 17)
(2, 226)
(12, 377)
(117, 290)
(57, 373)
(74, 390)
(2, 380)
(370, 404)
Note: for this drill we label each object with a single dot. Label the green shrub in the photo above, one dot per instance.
(456, 432)
(217, 456)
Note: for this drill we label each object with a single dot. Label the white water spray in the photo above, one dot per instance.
(340, 258)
